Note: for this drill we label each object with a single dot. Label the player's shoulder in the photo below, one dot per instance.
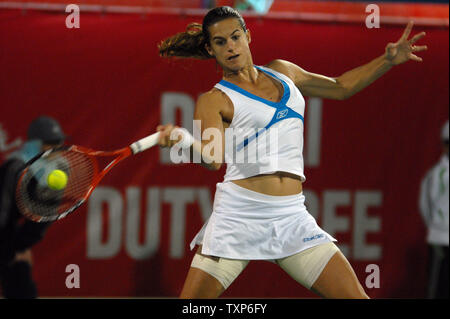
(214, 93)
(279, 64)
(284, 67)
(213, 98)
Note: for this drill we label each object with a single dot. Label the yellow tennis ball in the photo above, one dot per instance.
(57, 179)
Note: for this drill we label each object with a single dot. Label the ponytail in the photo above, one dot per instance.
(188, 44)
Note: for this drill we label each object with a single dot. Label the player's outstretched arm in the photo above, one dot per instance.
(353, 81)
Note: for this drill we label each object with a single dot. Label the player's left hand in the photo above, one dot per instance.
(403, 50)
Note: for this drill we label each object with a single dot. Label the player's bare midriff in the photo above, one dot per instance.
(277, 184)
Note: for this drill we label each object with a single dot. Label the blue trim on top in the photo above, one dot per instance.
(284, 98)
(283, 111)
(248, 140)
(287, 91)
(280, 114)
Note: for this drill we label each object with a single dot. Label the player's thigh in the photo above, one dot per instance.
(209, 277)
(324, 270)
(338, 280)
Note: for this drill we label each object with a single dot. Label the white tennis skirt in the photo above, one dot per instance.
(249, 225)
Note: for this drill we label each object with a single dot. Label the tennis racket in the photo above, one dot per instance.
(82, 166)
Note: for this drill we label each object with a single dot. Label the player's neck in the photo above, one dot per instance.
(248, 74)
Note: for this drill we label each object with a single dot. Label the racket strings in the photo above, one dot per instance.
(36, 198)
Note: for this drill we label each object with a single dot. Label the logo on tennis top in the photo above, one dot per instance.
(282, 114)
(312, 238)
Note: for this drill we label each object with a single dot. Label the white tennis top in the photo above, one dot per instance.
(264, 136)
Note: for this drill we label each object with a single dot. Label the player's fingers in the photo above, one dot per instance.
(162, 128)
(162, 139)
(167, 129)
(167, 140)
(418, 48)
(417, 37)
(172, 137)
(407, 31)
(175, 135)
(415, 58)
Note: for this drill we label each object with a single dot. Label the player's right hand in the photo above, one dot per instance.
(164, 137)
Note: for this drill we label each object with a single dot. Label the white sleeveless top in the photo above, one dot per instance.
(264, 136)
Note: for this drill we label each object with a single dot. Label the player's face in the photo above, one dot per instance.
(229, 44)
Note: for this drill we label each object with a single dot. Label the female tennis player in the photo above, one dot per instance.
(259, 211)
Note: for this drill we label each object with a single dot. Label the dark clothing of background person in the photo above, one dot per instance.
(18, 234)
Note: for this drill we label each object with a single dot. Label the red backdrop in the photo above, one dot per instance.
(107, 86)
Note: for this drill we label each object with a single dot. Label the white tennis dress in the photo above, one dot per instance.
(265, 137)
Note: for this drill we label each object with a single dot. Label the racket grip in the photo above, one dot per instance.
(145, 143)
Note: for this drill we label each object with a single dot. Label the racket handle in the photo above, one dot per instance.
(145, 143)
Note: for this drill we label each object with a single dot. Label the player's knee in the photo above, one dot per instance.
(201, 285)
(357, 294)
(351, 290)
(360, 294)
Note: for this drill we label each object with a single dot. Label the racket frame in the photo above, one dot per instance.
(120, 154)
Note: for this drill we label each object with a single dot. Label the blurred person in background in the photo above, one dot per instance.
(258, 6)
(208, 4)
(433, 206)
(17, 234)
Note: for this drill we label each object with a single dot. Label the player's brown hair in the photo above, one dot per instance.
(191, 43)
